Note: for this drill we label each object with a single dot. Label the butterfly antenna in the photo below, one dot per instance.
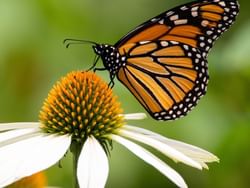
(69, 42)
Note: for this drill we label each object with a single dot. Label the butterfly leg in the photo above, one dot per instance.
(111, 83)
(94, 64)
(99, 69)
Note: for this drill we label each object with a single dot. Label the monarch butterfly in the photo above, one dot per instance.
(163, 61)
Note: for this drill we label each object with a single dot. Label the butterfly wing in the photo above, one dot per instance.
(168, 81)
(166, 67)
(197, 24)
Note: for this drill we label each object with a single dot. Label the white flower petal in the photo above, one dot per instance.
(199, 155)
(152, 160)
(93, 167)
(21, 125)
(15, 134)
(160, 146)
(134, 116)
(192, 151)
(26, 157)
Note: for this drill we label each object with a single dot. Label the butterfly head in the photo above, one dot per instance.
(110, 57)
(98, 49)
(103, 49)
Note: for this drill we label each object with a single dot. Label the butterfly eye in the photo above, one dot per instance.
(98, 49)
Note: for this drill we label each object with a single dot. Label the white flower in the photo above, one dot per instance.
(81, 113)
(25, 149)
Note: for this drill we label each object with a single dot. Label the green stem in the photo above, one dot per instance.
(76, 150)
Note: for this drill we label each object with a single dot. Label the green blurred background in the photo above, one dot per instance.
(32, 58)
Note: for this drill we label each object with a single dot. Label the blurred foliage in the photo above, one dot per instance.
(33, 57)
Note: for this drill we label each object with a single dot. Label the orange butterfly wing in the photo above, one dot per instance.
(167, 81)
(197, 24)
(166, 67)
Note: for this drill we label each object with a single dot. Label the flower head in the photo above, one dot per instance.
(82, 112)
(81, 105)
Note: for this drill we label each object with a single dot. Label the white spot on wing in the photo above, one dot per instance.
(169, 13)
(161, 21)
(144, 42)
(194, 13)
(164, 43)
(154, 19)
(174, 17)
(194, 9)
(222, 3)
(184, 8)
(179, 22)
(204, 23)
(174, 42)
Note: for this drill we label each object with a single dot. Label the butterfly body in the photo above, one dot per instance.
(163, 61)
(111, 58)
